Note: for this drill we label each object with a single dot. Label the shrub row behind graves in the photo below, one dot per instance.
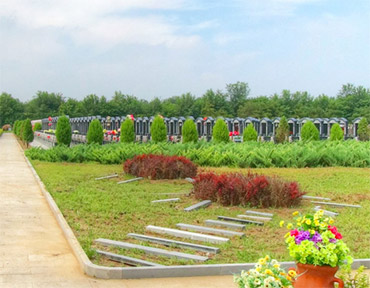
(250, 189)
(160, 167)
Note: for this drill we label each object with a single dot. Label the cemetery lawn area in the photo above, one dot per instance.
(104, 209)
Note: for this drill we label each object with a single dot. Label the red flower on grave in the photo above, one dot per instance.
(48, 136)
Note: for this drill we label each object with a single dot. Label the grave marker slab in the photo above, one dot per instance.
(169, 242)
(326, 212)
(150, 250)
(210, 230)
(240, 220)
(191, 180)
(225, 224)
(127, 260)
(336, 204)
(255, 217)
(199, 205)
(314, 198)
(259, 213)
(107, 177)
(188, 235)
(130, 180)
(166, 200)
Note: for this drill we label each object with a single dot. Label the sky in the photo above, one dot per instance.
(152, 48)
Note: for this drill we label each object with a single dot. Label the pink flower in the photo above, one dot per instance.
(230, 133)
(338, 236)
(294, 232)
(333, 229)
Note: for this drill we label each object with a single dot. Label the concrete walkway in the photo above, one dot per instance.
(33, 250)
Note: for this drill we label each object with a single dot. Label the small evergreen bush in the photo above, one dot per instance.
(158, 130)
(27, 133)
(336, 133)
(251, 189)
(1, 132)
(363, 130)
(63, 132)
(160, 167)
(220, 132)
(37, 126)
(127, 131)
(282, 132)
(95, 133)
(15, 127)
(189, 132)
(309, 132)
(250, 134)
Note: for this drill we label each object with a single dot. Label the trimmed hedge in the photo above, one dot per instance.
(158, 130)
(1, 132)
(189, 132)
(37, 126)
(363, 130)
(250, 134)
(251, 189)
(27, 133)
(95, 134)
(310, 132)
(220, 132)
(63, 132)
(336, 133)
(282, 132)
(127, 131)
(160, 167)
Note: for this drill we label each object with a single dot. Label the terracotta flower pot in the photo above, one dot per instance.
(311, 276)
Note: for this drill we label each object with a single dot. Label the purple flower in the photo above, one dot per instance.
(303, 235)
(316, 237)
(332, 240)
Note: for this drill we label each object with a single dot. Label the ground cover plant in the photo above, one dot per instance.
(104, 209)
(160, 167)
(249, 154)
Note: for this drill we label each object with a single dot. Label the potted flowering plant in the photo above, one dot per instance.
(267, 273)
(317, 247)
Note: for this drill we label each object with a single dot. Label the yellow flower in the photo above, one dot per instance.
(269, 272)
(258, 269)
(331, 221)
(287, 235)
(316, 222)
(282, 274)
(292, 273)
(281, 223)
(322, 225)
(262, 261)
(308, 222)
(295, 213)
(312, 231)
(276, 266)
(289, 278)
(289, 226)
(267, 257)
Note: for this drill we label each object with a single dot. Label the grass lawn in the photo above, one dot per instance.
(103, 209)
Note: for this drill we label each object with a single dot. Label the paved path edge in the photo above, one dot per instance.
(103, 272)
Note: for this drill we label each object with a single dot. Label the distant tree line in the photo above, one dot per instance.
(350, 102)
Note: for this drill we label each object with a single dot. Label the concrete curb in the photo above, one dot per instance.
(103, 272)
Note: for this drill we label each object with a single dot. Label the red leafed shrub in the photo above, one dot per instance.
(160, 167)
(251, 189)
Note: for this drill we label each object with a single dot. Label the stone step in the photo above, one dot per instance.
(166, 200)
(169, 242)
(315, 198)
(150, 250)
(224, 224)
(336, 204)
(240, 220)
(188, 235)
(199, 205)
(107, 177)
(127, 260)
(259, 213)
(130, 180)
(255, 217)
(210, 230)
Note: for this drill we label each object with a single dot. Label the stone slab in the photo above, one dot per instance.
(259, 213)
(188, 235)
(199, 205)
(210, 230)
(225, 224)
(326, 212)
(255, 217)
(315, 198)
(240, 220)
(166, 200)
(107, 177)
(130, 180)
(191, 180)
(126, 259)
(150, 250)
(336, 204)
(169, 242)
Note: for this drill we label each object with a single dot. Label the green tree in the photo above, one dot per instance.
(158, 130)
(310, 132)
(189, 132)
(127, 131)
(363, 130)
(44, 104)
(237, 94)
(282, 132)
(336, 133)
(27, 133)
(220, 132)
(63, 132)
(37, 126)
(10, 109)
(95, 133)
(250, 134)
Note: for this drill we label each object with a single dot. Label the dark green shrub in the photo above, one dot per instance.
(282, 132)
(158, 130)
(27, 132)
(95, 133)
(63, 132)
(220, 132)
(310, 132)
(189, 132)
(250, 134)
(37, 126)
(127, 131)
(363, 130)
(15, 127)
(336, 133)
